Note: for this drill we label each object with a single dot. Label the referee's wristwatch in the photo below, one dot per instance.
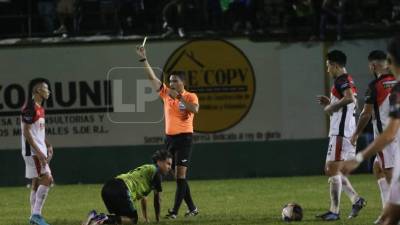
(142, 60)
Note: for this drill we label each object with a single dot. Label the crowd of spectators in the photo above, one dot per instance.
(313, 19)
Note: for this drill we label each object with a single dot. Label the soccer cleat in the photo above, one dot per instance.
(329, 216)
(37, 220)
(356, 208)
(91, 215)
(322, 215)
(171, 215)
(99, 219)
(194, 212)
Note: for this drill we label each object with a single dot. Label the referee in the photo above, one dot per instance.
(179, 109)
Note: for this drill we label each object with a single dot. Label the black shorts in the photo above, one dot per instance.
(180, 146)
(117, 199)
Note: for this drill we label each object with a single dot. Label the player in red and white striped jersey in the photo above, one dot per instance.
(377, 107)
(341, 107)
(36, 150)
(391, 212)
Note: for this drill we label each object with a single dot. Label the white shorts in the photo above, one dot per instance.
(340, 148)
(33, 169)
(394, 190)
(387, 157)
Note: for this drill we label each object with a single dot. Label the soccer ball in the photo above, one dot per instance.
(292, 212)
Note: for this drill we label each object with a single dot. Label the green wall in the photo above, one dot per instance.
(209, 161)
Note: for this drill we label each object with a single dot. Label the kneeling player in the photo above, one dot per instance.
(120, 192)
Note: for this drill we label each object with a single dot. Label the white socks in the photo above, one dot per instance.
(384, 189)
(335, 184)
(32, 200)
(349, 190)
(41, 195)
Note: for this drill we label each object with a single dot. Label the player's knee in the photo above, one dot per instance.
(330, 173)
(326, 169)
(180, 173)
(332, 169)
(334, 179)
(47, 180)
(377, 171)
(35, 184)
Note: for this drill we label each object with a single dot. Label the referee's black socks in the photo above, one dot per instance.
(188, 198)
(179, 194)
(183, 193)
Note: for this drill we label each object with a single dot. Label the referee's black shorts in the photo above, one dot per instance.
(117, 199)
(180, 146)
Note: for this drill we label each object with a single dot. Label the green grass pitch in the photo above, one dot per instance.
(221, 202)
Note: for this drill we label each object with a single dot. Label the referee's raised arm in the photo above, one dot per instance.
(141, 51)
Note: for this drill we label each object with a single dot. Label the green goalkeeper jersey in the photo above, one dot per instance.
(142, 180)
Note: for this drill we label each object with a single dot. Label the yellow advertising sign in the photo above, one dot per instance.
(221, 76)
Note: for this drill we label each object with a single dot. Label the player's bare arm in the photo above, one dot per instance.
(348, 97)
(28, 135)
(157, 205)
(50, 151)
(143, 203)
(365, 116)
(141, 51)
(379, 143)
